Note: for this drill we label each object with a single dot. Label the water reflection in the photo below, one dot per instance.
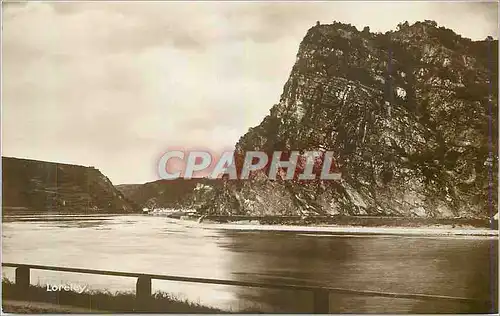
(444, 266)
(429, 266)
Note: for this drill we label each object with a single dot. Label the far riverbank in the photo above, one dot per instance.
(349, 224)
(357, 225)
(340, 230)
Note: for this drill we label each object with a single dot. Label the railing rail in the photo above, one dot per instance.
(143, 286)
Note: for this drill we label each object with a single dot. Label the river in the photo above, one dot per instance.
(454, 266)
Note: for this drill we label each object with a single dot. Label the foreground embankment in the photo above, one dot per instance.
(41, 300)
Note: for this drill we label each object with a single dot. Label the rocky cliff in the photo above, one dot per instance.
(39, 186)
(411, 116)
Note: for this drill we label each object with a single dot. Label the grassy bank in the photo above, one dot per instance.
(160, 302)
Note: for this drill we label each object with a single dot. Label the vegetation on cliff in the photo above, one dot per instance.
(40, 186)
(410, 114)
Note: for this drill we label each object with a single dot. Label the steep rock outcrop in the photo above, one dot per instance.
(411, 116)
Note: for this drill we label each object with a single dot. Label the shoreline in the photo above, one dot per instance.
(359, 226)
(331, 230)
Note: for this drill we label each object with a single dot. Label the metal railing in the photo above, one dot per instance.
(321, 295)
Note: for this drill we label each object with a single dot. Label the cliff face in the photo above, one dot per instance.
(411, 116)
(40, 186)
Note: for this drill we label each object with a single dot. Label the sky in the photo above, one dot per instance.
(116, 84)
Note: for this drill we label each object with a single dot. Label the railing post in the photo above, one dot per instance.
(22, 280)
(321, 302)
(143, 293)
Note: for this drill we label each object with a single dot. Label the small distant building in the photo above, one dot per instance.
(494, 222)
(145, 210)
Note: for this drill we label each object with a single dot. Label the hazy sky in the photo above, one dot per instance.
(113, 85)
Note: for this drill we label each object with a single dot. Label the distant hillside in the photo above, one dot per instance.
(41, 186)
(178, 193)
(128, 189)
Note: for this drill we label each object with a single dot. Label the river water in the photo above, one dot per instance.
(454, 266)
